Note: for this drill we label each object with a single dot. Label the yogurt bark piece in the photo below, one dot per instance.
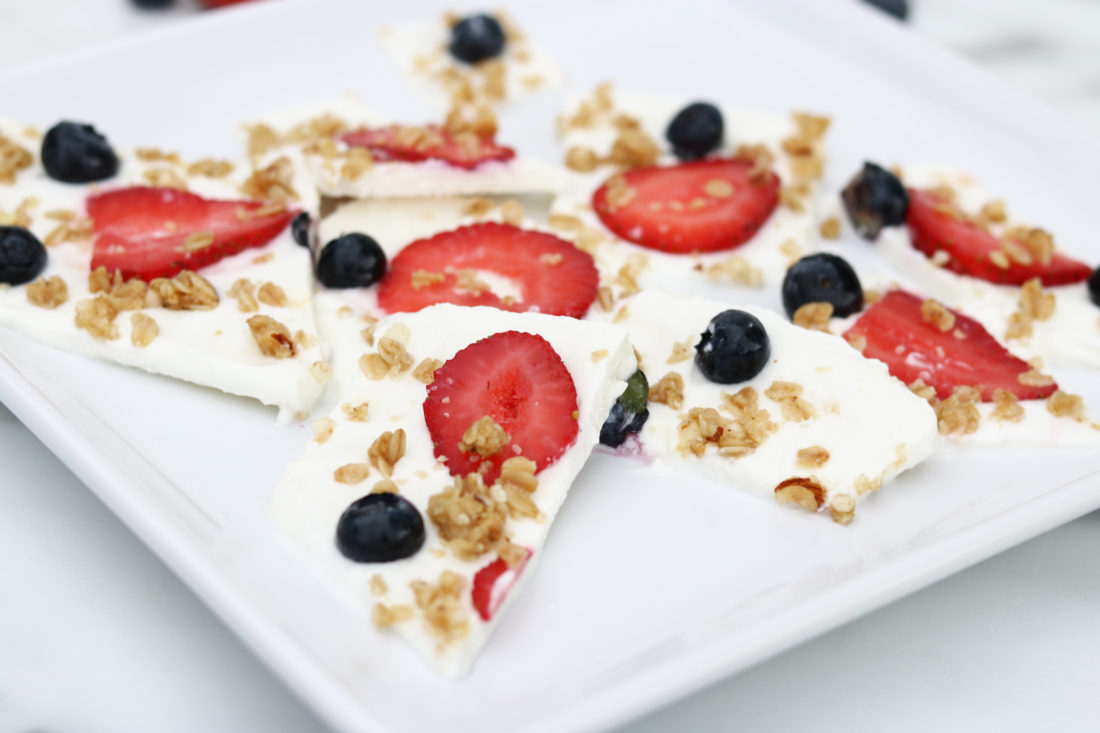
(1057, 323)
(345, 461)
(819, 426)
(315, 135)
(214, 347)
(612, 131)
(421, 50)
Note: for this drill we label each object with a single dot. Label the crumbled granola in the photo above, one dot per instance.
(633, 148)
(386, 450)
(805, 492)
(517, 483)
(355, 413)
(186, 291)
(321, 371)
(959, 412)
(830, 228)
(469, 519)
(97, 316)
(669, 390)
(164, 178)
(72, 230)
(932, 311)
(244, 290)
(619, 193)
(791, 402)
(813, 457)
(143, 329)
(681, 351)
(210, 168)
(736, 269)
(1064, 404)
(383, 616)
(814, 316)
(551, 258)
(351, 473)
(1034, 378)
(378, 585)
(13, 158)
(1008, 407)
(441, 606)
(856, 340)
(485, 437)
(605, 297)
(511, 212)
(322, 429)
(922, 390)
(425, 370)
(385, 486)
(842, 508)
(48, 292)
(750, 426)
(272, 337)
(273, 182)
(421, 279)
(271, 294)
(21, 217)
(391, 359)
(1037, 241)
(582, 159)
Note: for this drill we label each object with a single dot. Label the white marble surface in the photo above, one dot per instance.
(97, 636)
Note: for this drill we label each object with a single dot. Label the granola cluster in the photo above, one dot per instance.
(1034, 305)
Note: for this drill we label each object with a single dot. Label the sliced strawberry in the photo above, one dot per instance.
(144, 232)
(703, 206)
(519, 381)
(937, 225)
(492, 583)
(429, 142)
(551, 275)
(965, 355)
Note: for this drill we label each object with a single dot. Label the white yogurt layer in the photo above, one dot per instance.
(420, 49)
(870, 424)
(1070, 337)
(309, 501)
(213, 348)
(762, 261)
(339, 176)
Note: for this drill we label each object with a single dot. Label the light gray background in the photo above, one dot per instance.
(96, 635)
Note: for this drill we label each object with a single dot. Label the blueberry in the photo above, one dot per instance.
(696, 130)
(629, 413)
(351, 261)
(1094, 286)
(897, 8)
(299, 229)
(22, 256)
(875, 198)
(380, 528)
(476, 38)
(734, 348)
(75, 153)
(153, 4)
(822, 278)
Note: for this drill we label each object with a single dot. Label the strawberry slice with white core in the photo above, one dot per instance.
(519, 381)
(548, 274)
(414, 143)
(702, 206)
(958, 352)
(492, 583)
(147, 233)
(937, 225)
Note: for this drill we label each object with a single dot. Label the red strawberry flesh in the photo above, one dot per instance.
(896, 333)
(144, 232)
(938, 225)
(429, 142)
(702, 206)
(519, 381)
(492, 583)
(551, 275)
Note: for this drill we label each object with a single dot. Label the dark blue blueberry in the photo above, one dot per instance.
(351, 261)
(696, 130)
(380, 528)
(73, 152)
(476, 38)
(22, 256)
(734, 348)
(299, 229)
(875, 198)
(1094, 286)
(153, 4)
(822, 278)
(897, 8)
(629, 413)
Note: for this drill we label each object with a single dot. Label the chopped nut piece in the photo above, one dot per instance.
(804, 492)
(351, 473)
(669, 390)
(322, 429)
(933, 312)
(1064, 404)
(358, 413)
(391, 359)
(425, 370)
(48, 292)
(469, 519)
(383, 616)
(271, 294)
(441, 606)
(1008, 408)
(1034, 303)
(842, 508)
(830, 228)
(186, 291)
(700, 427)
(1037, 241)
(272, 337)
(814, 316)
(813, 457)
(143, 329)
(386, 450)
(485, 437)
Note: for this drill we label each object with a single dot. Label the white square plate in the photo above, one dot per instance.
(653, 584)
